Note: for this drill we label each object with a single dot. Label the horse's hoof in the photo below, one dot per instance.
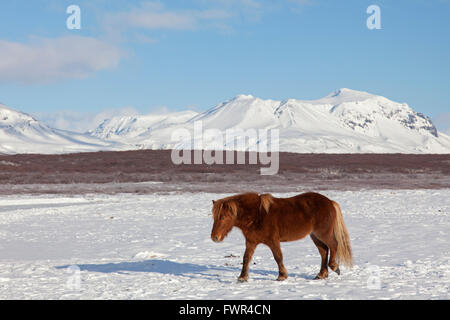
(321, 276)
(282, 277)
(335, 268)
(242, 279)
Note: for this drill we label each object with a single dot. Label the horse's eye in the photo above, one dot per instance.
(222, 218)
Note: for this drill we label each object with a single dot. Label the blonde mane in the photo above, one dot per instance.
(266, 201)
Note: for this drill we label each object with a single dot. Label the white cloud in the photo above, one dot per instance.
(236, 4)
(297, 6)
(45, 60)
(154, 16)
(155, 20)
(301, 2)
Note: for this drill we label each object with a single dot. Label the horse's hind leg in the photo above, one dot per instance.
(323, 250)
(330, 241)
(332, 244)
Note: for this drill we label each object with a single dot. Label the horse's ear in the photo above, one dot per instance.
(266, 202)
(234, 207)
(214, 202)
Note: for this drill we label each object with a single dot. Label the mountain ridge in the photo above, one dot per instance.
(22, 133)
(344, 121)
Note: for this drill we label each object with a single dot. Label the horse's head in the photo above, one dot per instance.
(224, 215)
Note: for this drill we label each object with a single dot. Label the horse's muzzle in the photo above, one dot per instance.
(216, 238)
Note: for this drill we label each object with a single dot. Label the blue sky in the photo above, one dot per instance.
(142, 56)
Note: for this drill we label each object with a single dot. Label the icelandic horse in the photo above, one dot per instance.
(269, 220)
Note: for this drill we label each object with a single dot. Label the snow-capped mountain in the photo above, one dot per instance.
(343, 121)
(130, 127)
(21, 133)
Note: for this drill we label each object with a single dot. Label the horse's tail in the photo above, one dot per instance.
(344, 249)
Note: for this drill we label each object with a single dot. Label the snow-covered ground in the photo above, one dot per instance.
(158, 247)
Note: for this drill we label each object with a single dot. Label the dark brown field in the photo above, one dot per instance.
(150, 171)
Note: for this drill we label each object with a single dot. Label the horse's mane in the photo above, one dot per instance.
(266, 201)
(218, 205)
(249, 207)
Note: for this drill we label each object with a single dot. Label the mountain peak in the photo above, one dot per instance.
(9, 116)
(4, 107)
(345, 93)
(244, 97)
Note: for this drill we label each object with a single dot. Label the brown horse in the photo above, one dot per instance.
(269, 220)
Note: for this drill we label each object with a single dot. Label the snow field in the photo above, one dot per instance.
(158, 247)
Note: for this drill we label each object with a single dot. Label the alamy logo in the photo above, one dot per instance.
(73, 22)
(374, 20)
(374, 279)
(213, 146)
(74, 280)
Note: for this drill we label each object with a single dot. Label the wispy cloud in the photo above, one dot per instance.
(301, 2)
(44, 60)
(47, 60)
(155, 16)
(297, 6)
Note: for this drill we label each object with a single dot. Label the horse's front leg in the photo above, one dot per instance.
(278, 255)
(249, 250)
